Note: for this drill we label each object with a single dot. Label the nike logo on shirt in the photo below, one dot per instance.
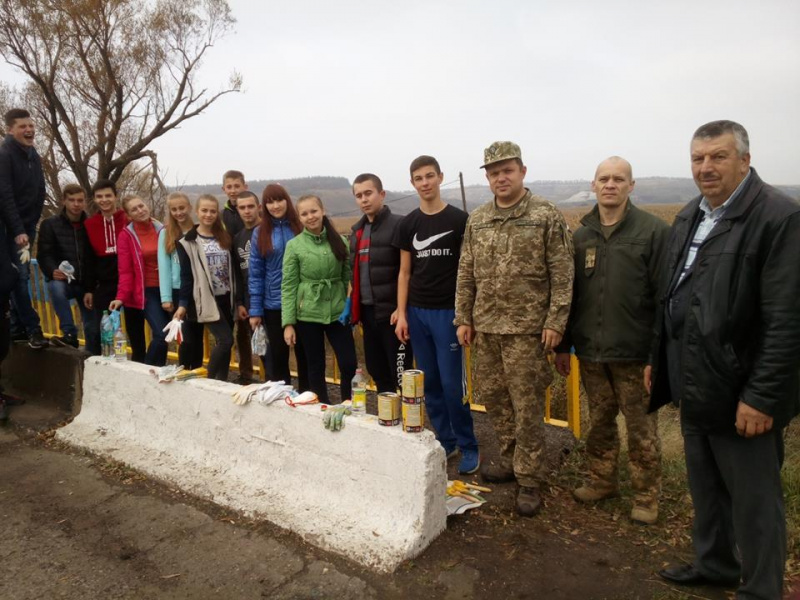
(422, 244)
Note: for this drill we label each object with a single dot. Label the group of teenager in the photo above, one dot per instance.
(703, 315)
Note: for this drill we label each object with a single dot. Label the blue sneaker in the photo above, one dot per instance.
(450, 453)
(470, 462)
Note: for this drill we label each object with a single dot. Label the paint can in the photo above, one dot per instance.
(389, 412)
(413, 383)
(413, 414)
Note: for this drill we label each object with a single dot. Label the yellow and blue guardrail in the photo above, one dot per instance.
(40, 297)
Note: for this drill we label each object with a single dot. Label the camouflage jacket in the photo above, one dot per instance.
(516, 269)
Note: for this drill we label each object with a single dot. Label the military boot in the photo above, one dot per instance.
(499, 473)
(590, 493)
(529, 501)
(645, 513)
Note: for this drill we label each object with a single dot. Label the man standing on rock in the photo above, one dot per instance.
(618, 252)
(512, 298)
(728, 353)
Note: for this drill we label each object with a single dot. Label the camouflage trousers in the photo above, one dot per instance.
(613, 388)
(510, 375)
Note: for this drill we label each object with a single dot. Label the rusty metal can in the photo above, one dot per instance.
(413, 415)
(413, 383)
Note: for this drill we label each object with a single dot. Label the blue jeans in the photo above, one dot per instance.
(438, 354)
(24, 318)
(61, 293)
(157, 318)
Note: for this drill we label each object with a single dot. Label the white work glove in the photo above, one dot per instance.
(244, 393)
(25, 254)
(68, 270)
(173, 329)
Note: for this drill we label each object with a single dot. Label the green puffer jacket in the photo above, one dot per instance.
(314, 285)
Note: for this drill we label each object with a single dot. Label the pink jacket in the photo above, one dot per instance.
(130, 288)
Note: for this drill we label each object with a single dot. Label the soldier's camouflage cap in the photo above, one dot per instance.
(500, 151)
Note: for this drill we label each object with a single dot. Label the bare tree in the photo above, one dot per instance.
(108, 77)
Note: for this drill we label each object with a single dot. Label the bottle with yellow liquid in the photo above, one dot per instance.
(359, 393)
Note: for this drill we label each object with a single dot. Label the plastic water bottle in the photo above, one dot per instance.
(120, 345)
(107, 335)
(359, 391)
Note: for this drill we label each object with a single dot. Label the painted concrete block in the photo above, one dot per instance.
(373, 494)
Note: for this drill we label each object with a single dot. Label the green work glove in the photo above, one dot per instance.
(333, 419)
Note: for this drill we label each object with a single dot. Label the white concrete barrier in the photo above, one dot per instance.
(373, 494)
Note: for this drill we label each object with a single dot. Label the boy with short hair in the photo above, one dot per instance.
(63, 238)
(376, 263)
(233, 184)
(247, 208)
(429, 239)
(101, 276)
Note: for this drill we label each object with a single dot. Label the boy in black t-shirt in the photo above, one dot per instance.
(429, 239)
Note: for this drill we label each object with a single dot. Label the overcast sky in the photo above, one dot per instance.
(338, 88)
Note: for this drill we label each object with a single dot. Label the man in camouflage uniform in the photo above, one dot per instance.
(618, 253)
(512, 301)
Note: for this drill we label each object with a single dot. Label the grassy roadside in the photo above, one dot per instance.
(674, 525)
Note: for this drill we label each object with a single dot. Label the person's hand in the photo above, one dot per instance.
(255, 322)
(393, 318)
(115, 305)
(167, 306)
(465, 334)
(59, 275)
(88, 300)
(242, 312)
(648, 378)
(289, 336)
(550, 338)
(180, 312)
(344, 318)
(563, 363)
(21, 240)
(401, 328)
(751, 422)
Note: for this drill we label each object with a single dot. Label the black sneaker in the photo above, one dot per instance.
(3, 413)
(19, 336)
(37, 341)
(65, 340)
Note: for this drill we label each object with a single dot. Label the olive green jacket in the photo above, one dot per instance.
(516, 269)
(616, 287)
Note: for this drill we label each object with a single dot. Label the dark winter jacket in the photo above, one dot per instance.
(231, 219)
(22, 189)
(615, 292)
(384, 260)
(266, 272)
(241, 265)
(60, 240)
(741, 335)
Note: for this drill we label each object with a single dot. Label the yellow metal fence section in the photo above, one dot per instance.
(41, 302)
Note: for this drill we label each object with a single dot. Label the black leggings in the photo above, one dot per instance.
(222, 330)
(190, 351)
(312, 336)
(279, 352)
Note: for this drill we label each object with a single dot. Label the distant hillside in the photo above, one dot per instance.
(338, 198)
